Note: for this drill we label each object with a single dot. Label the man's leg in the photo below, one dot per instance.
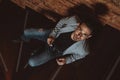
(41, 58)
(39, 34)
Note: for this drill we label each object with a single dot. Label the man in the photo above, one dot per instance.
(65, 42)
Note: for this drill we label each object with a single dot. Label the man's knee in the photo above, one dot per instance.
(31, 62)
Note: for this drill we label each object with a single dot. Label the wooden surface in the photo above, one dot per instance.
(61, 7)
(95, 66)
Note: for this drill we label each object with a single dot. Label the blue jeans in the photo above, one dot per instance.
(44, 56)
(36, 34)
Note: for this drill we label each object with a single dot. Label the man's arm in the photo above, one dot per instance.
(69, 59)
(56, 30)
(60, 24)
(73, 58)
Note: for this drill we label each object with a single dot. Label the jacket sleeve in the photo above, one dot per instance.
(74, 57)
(61, 24)
(76, 52)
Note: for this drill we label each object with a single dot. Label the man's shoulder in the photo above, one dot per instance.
(70, 17)
(72, 20)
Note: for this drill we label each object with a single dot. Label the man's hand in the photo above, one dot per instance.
(61, 61)
(50, 40)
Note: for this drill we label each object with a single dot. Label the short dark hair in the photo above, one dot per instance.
(96, 27)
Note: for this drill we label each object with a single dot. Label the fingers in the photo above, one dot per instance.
(61, 61)
(50, 41)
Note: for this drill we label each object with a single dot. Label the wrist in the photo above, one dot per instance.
(51, 37)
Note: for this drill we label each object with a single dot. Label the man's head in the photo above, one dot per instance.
(82, 32)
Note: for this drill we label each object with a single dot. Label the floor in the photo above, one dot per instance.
(102, 64)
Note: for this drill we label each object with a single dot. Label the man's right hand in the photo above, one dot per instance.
(50, 40)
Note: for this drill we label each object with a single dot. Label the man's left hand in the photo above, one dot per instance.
(61, 61)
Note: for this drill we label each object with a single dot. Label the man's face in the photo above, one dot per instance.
(81, 33)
